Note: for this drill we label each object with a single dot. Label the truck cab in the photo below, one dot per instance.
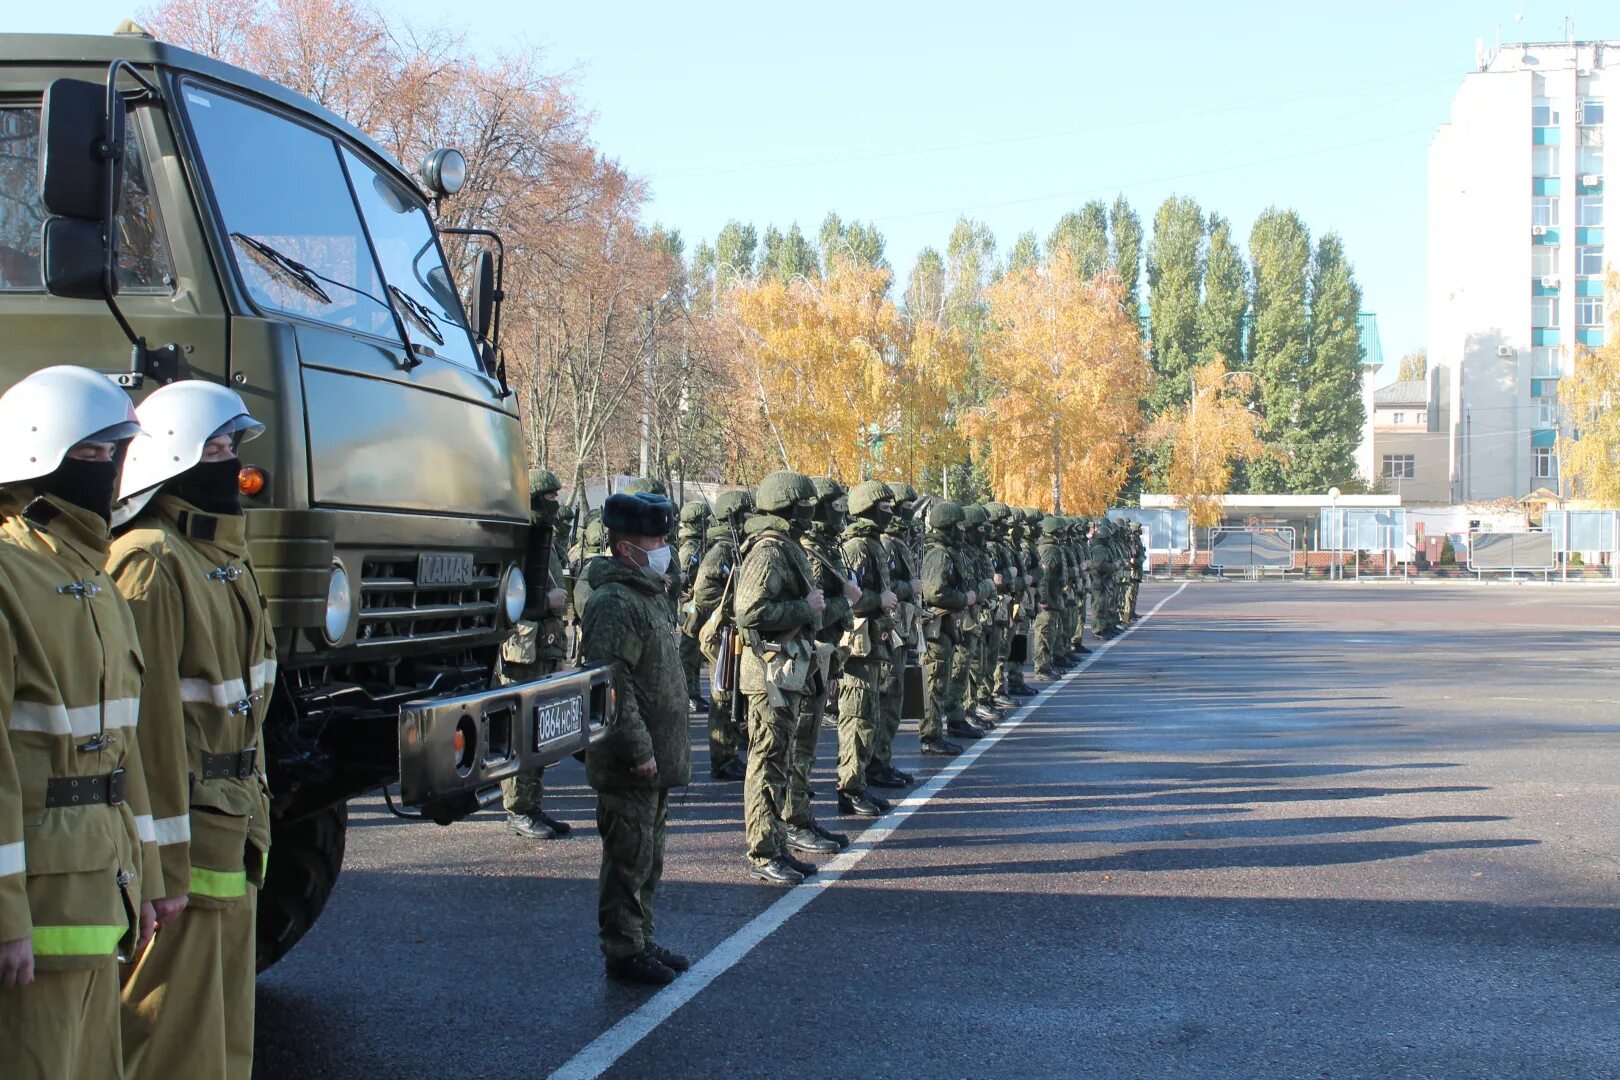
(253, 238)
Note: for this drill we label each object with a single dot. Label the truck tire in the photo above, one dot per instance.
(305, 858)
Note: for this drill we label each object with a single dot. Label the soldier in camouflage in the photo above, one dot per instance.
(867, 645)
(536, 648)
(905, 581)
(947, 595)
(651, 485)
(1138, 566)
(693, 530)
(1008, 578)
(1082, 562)
(1051, 597)
(646, 749)
(978, 715)
(778, 608)
(727, 732)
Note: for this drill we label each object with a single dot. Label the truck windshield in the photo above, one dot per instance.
(295, 233)
(412, 264)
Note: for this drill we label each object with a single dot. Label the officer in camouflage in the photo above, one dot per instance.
(778, 609)
(906, 584)
(1008, 579)
(1138, 565)
(978, 716)
(831, 576)
(695, 516)
(948, 594)
(536, 648)
(868, 645)
(1081, 547)
(646, 749)
(651, 485)
(1051, 597)
(727, 730)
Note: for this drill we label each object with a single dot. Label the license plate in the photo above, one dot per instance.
(555, 719)
(444, 569)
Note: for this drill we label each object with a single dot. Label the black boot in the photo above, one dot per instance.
(642, 969)
(672, 960)
(731, 772)
(858, 804)
(940, 748)
(529, 826)
(804, 838)
(805, 869)
(775, 872)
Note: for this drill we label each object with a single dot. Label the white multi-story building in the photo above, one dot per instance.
(1516, 255)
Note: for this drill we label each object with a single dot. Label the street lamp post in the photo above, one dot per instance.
(1335, 571)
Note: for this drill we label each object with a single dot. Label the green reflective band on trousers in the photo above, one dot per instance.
(220, 884)
(77, 940)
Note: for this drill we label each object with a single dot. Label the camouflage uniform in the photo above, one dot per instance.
(775, 619)
(1000, 634)
(626, 623)
(945, 595)
(1051, 598)
(536, 648)
(693, 528)
(674, 586)
(905, 581)
(869, 641)
(830, 575)
(1138, 563)
(978, 706)
(1104, 588)
(727, 733)
(1082, 564)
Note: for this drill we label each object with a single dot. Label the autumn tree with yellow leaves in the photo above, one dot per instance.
(1589, 447)
(1206, 436)
(1068, 373)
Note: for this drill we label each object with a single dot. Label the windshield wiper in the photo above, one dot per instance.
(301, 275)
(422, 318)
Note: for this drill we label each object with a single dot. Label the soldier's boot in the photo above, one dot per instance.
(859, 804)
(806, 869)
(805, 838)
(940, 747)
(672, 960)
(642, 969)
(777, 871)
(731, 772)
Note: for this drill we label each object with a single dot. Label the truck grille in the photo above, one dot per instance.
(394, 609)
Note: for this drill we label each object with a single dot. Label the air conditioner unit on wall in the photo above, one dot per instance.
(1538, 230)
(1549, 282)
(1504, 350)
(1590, 180)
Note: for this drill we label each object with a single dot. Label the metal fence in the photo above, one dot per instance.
(1253, 550)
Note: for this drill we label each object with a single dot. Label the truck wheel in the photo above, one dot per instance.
(305, 858)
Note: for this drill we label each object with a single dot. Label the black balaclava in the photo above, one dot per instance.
(210, 486)
(89, 485)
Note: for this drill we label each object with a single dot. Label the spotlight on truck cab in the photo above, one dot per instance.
(444, 171)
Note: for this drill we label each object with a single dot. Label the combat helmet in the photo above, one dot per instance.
(1051, 525)
(695, 512)
(732, 506)
(646, 485)
(945, 515)
(975, 518)
(865, 498)
(902, 494)
(780, 490)
(1001, 517)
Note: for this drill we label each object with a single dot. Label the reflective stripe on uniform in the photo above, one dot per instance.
(77, 940)
(231, 691)
(11, 859)
(221, 884)
(79, 722)
(172, 830)
(144, 829)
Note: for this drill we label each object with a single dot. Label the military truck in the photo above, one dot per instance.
(164, 216)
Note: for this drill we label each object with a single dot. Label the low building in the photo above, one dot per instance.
(1411, 441)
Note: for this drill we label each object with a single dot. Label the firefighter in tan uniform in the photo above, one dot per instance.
(78, 865)
(181, 561)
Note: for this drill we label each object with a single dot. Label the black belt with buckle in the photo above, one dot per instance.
(107, 788)
(230, 766)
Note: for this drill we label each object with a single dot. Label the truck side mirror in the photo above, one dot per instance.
(81, 171)
(483, 294)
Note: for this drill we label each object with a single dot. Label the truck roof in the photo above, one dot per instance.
(102, 49)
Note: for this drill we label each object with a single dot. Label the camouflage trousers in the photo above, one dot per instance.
(995, 655)
(1131, 595)
(691, 664)
(812, 707)
(891, 702)
(964, 670)
(632, 823)
(942, 694)
(859, 717)
(521, 794)
(725, 740)
(765, 786)
(1048, 624)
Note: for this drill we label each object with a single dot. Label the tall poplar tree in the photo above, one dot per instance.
(1226, 297)
(1175, 269)
(1084, 235)
(735, 249)
(788, 255)
(1331, 412)
(855, 240)
(1125, 234)
(1279, 339)
(1025, 253)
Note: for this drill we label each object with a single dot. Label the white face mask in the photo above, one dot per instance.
(658, 561)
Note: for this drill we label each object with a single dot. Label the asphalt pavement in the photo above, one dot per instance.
(1279, 830)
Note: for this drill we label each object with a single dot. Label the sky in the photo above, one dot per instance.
(910, 114)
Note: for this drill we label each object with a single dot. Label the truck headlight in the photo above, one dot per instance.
(339, 604)
(515, 594)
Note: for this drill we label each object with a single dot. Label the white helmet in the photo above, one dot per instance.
(179, 419)
(52, 411)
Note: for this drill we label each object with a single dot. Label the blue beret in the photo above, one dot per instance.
(642, 514)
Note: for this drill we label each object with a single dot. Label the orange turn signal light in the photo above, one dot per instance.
(252, 480)
(459, 741)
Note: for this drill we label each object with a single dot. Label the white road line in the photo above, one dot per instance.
(618, 1040)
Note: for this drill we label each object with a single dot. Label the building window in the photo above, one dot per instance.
(1588, 160)
(1589, 311)
(1544, 311)
(1545, 363)
(1591, 111)
(1544, 161)
(1546, 411)
(1591, 136)
(1398, 418)
(1546, 462)
(1543, 113)
(1400, 466)
(1544, 210)
(1543, 260)
(1589, 261)
(1589, 211)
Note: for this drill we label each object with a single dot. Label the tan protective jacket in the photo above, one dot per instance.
(72, 877)
(210, 666)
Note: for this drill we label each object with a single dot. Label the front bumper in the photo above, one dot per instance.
(454, 750)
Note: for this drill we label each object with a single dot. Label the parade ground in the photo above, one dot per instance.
(1277, 830)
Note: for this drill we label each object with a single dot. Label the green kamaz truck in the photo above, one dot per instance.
(164, 216)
